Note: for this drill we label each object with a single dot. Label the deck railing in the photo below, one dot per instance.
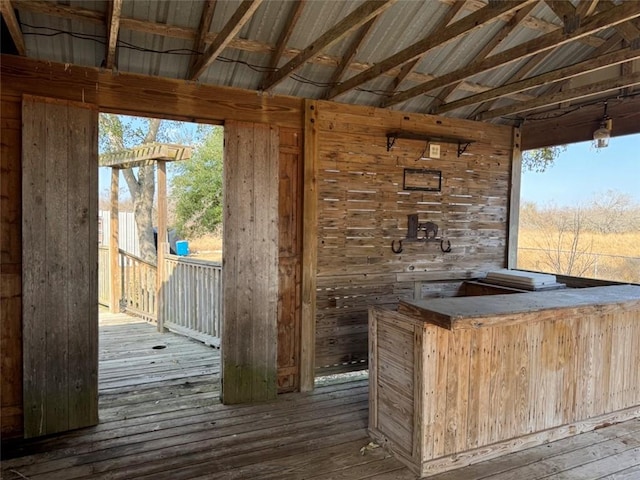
(138, 281)
(104, 274)
(193, 298)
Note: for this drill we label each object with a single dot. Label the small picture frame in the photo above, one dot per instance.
(422, 179)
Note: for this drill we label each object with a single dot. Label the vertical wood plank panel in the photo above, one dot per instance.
(309, 248)
(60, 254)
(82, 279)
(11, 267)
(34, 267)
(250, 273)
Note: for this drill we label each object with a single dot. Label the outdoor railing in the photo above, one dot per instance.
(138, 281)
(192, 292)
(104, 283)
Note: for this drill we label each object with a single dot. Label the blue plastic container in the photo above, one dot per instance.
(182, 247)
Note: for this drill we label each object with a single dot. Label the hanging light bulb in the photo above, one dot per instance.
(602, 135)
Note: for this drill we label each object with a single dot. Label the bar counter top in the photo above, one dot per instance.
(484, 311)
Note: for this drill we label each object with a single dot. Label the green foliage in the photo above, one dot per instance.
(540, 159)
(197, 188)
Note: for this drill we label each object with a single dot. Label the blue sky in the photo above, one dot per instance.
(583, 171)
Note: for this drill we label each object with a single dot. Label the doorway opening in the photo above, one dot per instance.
(160, 266)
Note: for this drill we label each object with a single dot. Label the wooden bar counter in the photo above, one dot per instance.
(455, 381)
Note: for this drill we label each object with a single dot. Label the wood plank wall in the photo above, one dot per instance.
(11, 265)
(163, 98)
(362, 207)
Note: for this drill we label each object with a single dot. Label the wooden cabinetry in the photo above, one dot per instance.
(455, 381)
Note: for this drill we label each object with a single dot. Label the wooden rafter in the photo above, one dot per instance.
(566, 96)
(463, 26)
(285, 34)
(408, 67)
(614, 16)
(580, 68)
(13, 25)
(348, 56)
(563, 9)
(586, 8)
(354, 20)
(208, 10)
(113, 27)
(244, 12)
(504, 32)
(145, 154)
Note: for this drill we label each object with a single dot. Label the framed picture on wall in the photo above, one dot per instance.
(421, 179)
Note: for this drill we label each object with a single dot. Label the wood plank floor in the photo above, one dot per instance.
(160, 418)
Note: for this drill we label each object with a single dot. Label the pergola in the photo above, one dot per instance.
(142, 155)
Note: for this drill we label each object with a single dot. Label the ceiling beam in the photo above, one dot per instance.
(208, 10)
(13, 25)
(566, 96)
(285, 34)
(113, 27)
(562, 8)
(622, 13)
(504, 32)
(357, 18)
(586, 8)
(241, 16)
(408, 67)
(581, 68)
(463, 26)
(348, 56)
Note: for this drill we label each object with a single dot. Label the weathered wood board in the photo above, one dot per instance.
(250, 272)
(59, 259)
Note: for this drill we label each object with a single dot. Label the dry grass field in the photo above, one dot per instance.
(610, 256)
(208, 247)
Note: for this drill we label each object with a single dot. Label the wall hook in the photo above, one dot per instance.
(445, 250)
(393, 246)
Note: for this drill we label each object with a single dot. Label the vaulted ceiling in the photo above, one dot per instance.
(540, 64)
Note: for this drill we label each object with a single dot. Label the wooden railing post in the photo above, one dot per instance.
(114, 263)
(161, 244)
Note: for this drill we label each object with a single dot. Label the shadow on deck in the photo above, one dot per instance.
(161, 418)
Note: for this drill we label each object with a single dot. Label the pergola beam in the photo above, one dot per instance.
(360, 16)
(580, 68)
(464, 26)
(145, 154)
(113, 28)
(13, 25)
(614, 16)
(566, 96)
(241, 16)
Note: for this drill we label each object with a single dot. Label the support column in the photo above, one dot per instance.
(162, 242)
(114, 263)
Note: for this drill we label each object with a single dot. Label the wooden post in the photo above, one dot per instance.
(309, 249)
(114, 263)
(514, 201)
(162, 242)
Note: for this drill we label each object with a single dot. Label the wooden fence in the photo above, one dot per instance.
(193, 298)
(192, 293)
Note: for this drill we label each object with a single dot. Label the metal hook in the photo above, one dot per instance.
(393, 246)
(445, 250)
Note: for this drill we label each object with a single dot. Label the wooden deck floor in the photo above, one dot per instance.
(160, 418)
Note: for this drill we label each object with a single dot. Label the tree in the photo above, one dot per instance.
(197, 187)
(119, 132)
(539, 159)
